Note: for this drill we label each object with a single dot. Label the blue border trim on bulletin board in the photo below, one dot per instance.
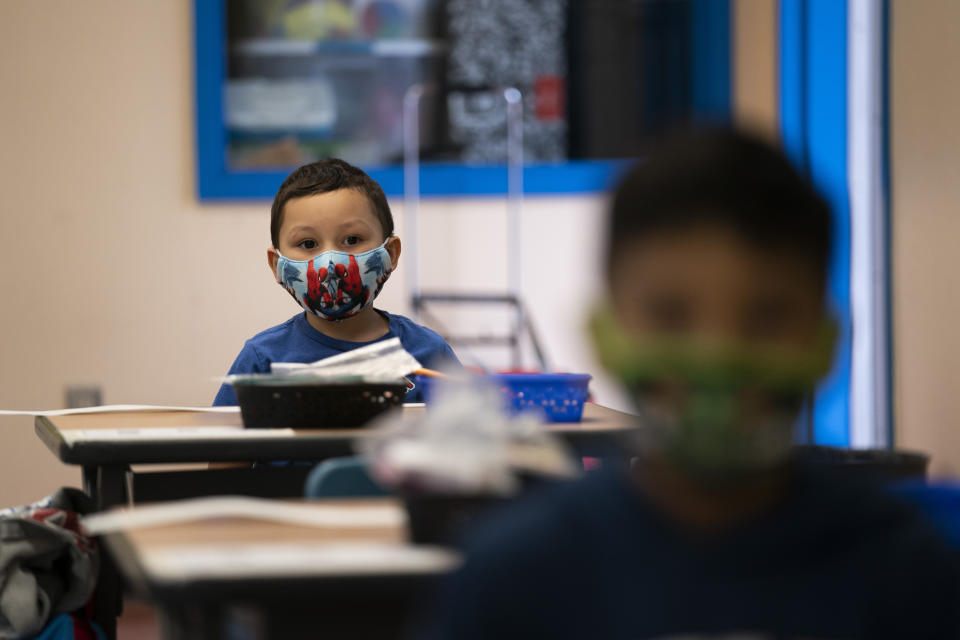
(210, 70)
(813, 116)
(435, 180)
(216, 182)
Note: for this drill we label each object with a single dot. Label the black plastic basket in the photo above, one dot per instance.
(309, 404)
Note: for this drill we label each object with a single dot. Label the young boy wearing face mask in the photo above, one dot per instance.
(333, 250)
(717, 326)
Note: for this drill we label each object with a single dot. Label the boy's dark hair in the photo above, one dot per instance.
(723, 177)
(323, 176)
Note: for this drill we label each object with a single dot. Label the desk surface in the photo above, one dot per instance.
(142, 437)
(223, 557)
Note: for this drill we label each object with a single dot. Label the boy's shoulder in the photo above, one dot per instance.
(405, 328)
(426, 345)
(279, 332)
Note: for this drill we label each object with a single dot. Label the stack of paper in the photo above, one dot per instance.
(381, 361)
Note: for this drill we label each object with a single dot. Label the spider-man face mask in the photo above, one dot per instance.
(336, 285)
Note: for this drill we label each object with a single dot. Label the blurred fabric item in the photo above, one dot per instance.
(48, 565)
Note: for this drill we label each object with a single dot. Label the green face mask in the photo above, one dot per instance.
(718, 411)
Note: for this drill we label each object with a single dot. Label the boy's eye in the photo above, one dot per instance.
(352, 240)
(307, 244)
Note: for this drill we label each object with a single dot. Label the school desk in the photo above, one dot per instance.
(246, 576)
(105, 445)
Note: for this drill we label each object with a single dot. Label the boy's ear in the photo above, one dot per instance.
(393, 248)
(273, 256)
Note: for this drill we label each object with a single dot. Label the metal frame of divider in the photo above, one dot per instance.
(422, 301)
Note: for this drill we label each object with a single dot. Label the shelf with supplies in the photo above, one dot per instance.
(383, 48)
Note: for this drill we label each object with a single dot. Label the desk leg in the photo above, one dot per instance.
(107, 487)
(90, 477)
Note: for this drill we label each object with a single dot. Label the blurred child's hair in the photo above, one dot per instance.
(323, 176)
(721, 177)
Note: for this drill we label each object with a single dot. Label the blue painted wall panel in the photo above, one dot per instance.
(813, 109)
(827, 148)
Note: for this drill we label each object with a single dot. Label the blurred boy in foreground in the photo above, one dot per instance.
(717, 326)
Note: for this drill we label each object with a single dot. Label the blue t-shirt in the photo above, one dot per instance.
(595, 560)
(296, 341)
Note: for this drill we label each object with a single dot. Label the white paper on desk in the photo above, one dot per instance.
(384, 360)
(243, 507)
(118, 408)
(251, 559)
(151, 434)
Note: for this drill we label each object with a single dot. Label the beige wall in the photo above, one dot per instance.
(925, 151)
(755, 65)
(113, 274)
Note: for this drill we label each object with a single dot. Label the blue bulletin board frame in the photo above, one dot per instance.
(216, 181)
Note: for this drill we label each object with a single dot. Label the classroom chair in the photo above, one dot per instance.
(345, 477)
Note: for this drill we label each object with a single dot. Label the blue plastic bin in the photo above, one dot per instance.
(559, 395)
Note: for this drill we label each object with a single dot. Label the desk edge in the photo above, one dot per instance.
(51, 437)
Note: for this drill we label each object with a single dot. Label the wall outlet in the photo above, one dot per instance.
(79, 396)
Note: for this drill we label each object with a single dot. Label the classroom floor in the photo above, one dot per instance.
(138, 622)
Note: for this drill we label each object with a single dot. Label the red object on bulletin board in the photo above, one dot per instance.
(549, 97)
